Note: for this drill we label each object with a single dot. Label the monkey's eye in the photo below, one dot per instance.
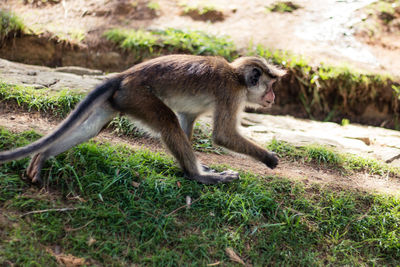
(255, 76)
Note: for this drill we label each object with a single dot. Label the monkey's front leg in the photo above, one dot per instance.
(225, 134)
(234, 141)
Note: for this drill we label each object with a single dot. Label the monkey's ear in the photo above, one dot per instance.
(253, 76)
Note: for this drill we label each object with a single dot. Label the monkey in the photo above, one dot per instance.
(168, 94)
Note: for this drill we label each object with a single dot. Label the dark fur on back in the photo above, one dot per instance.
(191, 74)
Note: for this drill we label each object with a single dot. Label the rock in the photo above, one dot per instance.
(78, 70)
(44, 77)
(355, 139)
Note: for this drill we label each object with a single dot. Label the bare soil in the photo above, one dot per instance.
(309, 174)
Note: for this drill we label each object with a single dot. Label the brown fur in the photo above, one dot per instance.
(154, 90)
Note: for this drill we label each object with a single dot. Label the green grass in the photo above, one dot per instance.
(55, 103)
(126, 203)
(121, 125)
(171, 41)
(199, 8)
(386, 10)
(379, 19)
(323, 155)
(283, 7)
(10, 24)
(71, 37)
(154, 5)
(202, 140)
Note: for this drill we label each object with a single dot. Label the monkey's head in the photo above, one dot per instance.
(258, 77)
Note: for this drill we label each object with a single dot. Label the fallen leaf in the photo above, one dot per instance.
(67, 260)
(91, 241)
(70, 261)
(135, 184)
(76, 198)
(214, 264)
(188, 201)
(233, 256)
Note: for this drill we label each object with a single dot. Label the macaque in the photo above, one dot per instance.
(168, 94)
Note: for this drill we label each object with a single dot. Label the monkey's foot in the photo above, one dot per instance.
(213, 177)
(34, 168)
(271, 160)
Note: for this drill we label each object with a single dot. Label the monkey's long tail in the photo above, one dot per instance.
(93, 100)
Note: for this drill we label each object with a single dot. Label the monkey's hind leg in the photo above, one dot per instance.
(35, 166)
(81, 133)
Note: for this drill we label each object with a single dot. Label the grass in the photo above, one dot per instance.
(171, 41)
(202, 140)
(154, 5)
(41, 2)
(322, 155)
(124, 210)
(283, 7)
(10, 25)
(121, 125)
(380, 18)
(57, 104)
(202, 11)
(386, 10)
(75, 36)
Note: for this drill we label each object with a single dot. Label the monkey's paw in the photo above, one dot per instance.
(271, 160)
(212, 177)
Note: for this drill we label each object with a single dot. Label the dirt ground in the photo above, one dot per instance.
(320, 30)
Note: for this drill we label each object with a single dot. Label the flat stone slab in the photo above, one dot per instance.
(367, 141)
(74, 78)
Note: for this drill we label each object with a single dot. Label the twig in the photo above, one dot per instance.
(48, 210)
(182, 207)
(79, 228)
(295, 211)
